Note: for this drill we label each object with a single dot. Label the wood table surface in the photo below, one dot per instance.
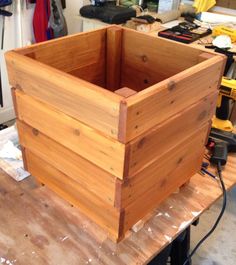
(37, 227)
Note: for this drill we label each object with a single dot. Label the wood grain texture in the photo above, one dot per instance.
(83, 57)
(14, 101)
(57, 103)
(205, 56)
(71, 52)
(122, 129)
(113, 58)
(125, 92)
(102, 213)
(155, 183)
(147, 60)
(139, 79)
(72, 238)
(160, 139)
(161, 101)
(82, 171)
(84, 101)
(24, 157)
(158, 172)
(93, 73)
(103, 151)
(40, 227)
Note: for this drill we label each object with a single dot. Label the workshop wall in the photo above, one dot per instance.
(71, 14)
(18, 32)
(226, 3)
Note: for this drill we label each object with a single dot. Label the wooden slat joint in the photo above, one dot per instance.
(126, 161)
(208, 132)
(13, 94)
(24, 158)
(118, 193)
(121, 233)
(122, 121)
(205, 56)
(113, 58)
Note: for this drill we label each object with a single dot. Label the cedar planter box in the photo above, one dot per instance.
(113, 120)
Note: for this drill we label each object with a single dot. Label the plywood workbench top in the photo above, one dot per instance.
(37, 227)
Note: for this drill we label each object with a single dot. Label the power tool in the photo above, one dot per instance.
(227, 91)
(224, 142)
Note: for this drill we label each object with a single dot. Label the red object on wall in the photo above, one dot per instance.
(42, 32)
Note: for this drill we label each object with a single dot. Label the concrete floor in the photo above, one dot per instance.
(220, 248)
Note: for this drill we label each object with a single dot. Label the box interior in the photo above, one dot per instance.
(114, 58)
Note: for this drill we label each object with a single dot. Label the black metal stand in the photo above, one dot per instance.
(178, 250)
(3, 126)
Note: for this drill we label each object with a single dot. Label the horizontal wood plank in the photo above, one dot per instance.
(58, 104)
(160, 139)
(148, 188)
(70, 52)
(147, 59)
(105, 152)
(138, 79)
(93, 73)
(73, 239)
(82, 55)
(171, 96)
(82, 171)
(103, 214)
(90, 104)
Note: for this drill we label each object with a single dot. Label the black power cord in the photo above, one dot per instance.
(219, 169)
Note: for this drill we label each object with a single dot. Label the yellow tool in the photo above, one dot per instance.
(203, 5)
(227, 92)
(223, 30)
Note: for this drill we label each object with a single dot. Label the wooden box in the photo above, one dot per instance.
(113, 120)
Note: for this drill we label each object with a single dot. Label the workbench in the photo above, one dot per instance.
(37, 227)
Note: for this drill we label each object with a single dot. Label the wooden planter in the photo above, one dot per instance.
(113, 120)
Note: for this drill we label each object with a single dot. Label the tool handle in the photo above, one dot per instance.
(222, 112)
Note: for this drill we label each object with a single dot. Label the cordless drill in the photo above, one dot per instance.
(227, 91)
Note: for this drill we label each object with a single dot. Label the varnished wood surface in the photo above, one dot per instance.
(164, 97)
(103, 151)
(37, 227)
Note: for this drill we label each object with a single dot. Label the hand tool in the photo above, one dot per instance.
(185, 32)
